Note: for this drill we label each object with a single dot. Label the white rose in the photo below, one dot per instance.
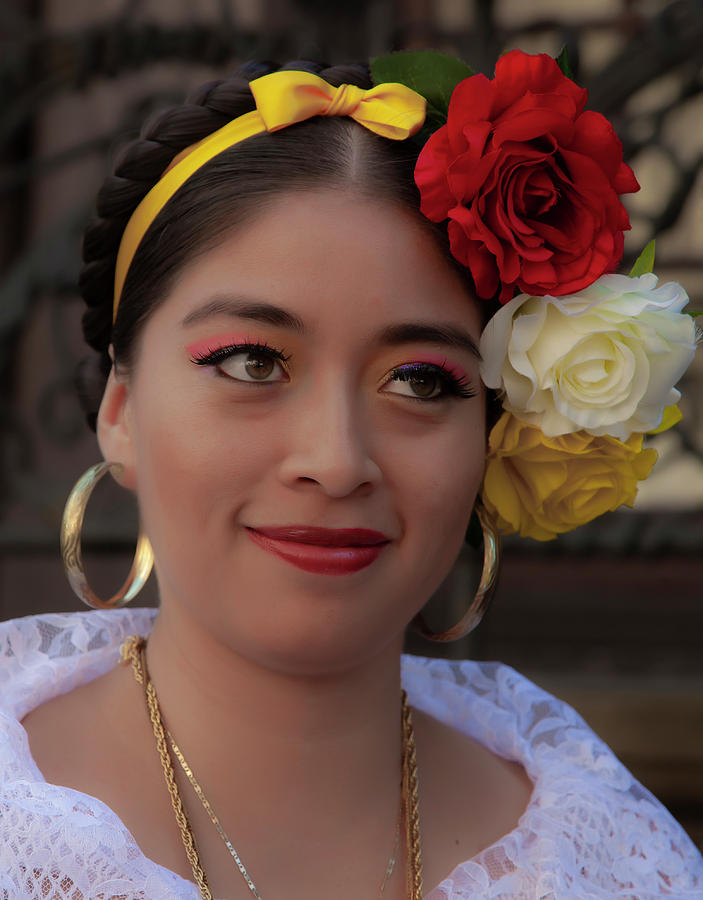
(604, 360)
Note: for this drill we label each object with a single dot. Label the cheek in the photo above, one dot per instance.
(440, 491)
(451, 500)
(441, 478)
(195, 470)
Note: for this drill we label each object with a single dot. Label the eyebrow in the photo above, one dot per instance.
(419, 332)
(393, 335)
(245, 308)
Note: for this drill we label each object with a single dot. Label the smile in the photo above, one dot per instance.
(324, 551)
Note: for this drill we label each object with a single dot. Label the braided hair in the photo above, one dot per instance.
(223, 195)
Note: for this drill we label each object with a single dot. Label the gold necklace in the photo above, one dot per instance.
(132, 650)
(228, 843)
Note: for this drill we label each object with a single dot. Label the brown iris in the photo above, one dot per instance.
(259, 366)
(424, 385)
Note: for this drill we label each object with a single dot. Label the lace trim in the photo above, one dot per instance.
(589, 831)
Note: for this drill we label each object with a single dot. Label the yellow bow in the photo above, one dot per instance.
(282, 98)
(391, 110)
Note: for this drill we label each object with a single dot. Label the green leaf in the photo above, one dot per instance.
(563, 62)
(429, 72)
(696, 313)
(645, 261)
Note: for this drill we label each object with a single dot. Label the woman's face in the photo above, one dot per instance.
(316, 370)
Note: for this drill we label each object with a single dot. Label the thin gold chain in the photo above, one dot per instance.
(178, 753)
(132, 650)
(394, 852)
(213, 818)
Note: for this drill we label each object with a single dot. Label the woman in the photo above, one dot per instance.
(293, 392)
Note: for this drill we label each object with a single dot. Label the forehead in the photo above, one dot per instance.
(331, 255)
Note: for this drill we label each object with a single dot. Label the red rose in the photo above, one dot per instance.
(528, 181)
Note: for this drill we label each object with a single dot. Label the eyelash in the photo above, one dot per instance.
(451, 385)
(215, 357)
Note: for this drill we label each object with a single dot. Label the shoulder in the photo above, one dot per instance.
(46, 655)
(590, 828)
(51, 835)
(491, 702)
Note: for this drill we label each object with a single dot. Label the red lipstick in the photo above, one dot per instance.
(324, 551)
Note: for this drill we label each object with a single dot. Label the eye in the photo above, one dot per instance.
(427, 381)
(249, 363)
(252, 365)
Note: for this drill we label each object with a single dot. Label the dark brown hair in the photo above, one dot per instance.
(224, 194)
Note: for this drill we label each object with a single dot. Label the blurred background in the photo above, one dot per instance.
(609, 617)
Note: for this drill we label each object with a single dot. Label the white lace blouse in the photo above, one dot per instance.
(590, 831)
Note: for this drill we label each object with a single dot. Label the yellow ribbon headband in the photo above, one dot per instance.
(282, 98)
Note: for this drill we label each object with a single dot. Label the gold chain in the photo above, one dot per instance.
(213, 818)
(228, 843)
(132, 650)
(412, 812)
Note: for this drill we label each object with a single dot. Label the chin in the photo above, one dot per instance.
(331, 640)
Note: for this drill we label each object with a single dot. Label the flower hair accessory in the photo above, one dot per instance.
(585, 361)
(528, 183)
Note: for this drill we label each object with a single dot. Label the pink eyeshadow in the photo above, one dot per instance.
(442, 362)
(209, 345)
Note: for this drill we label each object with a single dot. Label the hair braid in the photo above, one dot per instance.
(137, 168)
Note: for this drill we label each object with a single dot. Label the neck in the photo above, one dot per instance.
(324, 742)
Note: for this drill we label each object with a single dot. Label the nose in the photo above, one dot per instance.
(329, 445)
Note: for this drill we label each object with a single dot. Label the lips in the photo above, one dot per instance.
(324, 551)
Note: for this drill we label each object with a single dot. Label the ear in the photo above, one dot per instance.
(115, 428)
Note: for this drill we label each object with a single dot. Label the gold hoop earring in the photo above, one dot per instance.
(71, 527)
(486, 588)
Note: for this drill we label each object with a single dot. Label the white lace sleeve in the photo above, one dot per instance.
(56, 843)
(590, 830)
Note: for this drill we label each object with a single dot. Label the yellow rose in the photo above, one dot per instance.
(541, 486)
